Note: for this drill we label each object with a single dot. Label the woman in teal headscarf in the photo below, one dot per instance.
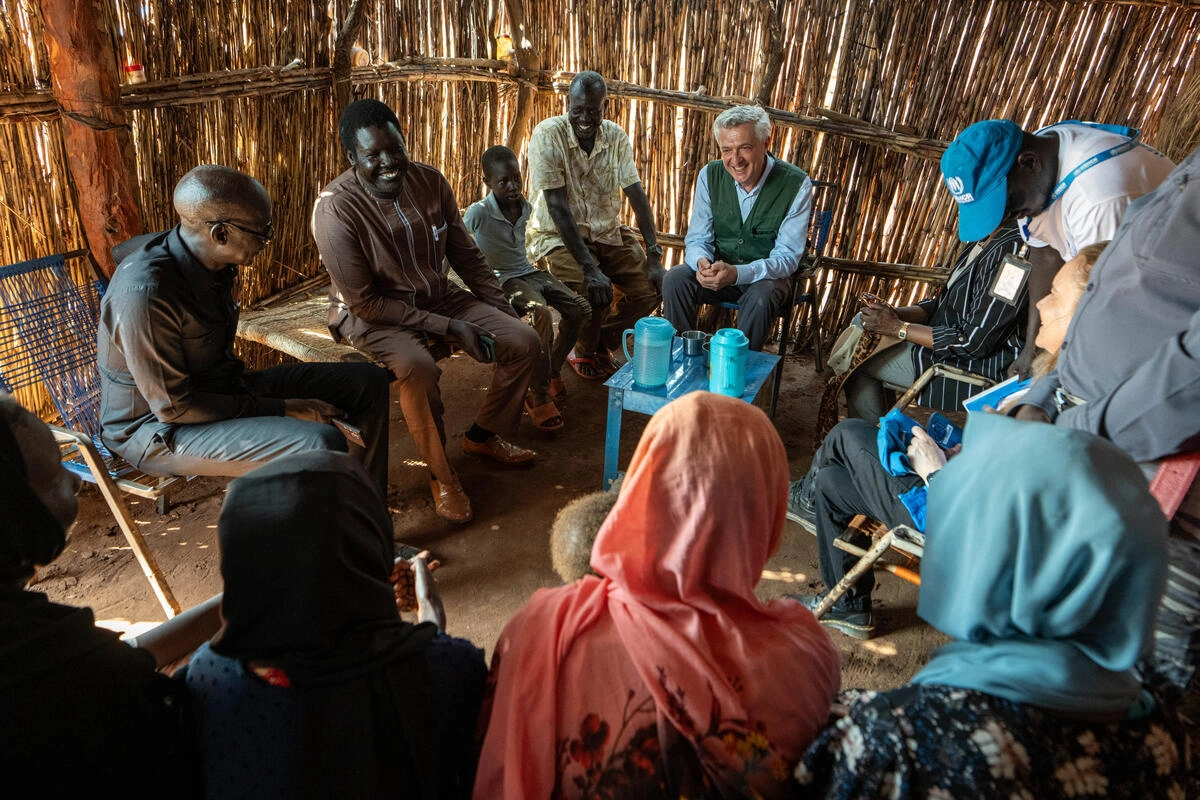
(1045, 559)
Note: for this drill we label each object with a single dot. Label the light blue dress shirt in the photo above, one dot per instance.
(789, 244)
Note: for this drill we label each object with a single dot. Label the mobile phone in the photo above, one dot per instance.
(352, 433)
(488, 346)
(867, 297)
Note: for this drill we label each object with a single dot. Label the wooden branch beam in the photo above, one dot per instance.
(908, 272)
(99, 147)
(772, 57)
(528, 62)
(276, 80)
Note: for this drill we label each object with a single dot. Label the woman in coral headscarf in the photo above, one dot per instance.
(667, 677)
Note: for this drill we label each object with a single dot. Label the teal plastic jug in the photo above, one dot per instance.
(652, 337)
(727, 362)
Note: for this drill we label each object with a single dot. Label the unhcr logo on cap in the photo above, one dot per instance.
(955, 185)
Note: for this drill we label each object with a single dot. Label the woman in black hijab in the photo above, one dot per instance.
(84, 714)
(315, 686)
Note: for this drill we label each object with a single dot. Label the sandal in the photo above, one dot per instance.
(558, 390)
(545, 417)
(603, 361)
(587, 368)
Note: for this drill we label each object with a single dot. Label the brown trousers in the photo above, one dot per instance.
(634, 296)
(403, 351)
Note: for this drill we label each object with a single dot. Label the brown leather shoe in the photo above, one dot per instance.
(450, 501)
(499, 450)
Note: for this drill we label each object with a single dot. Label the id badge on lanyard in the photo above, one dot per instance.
(1010, 280)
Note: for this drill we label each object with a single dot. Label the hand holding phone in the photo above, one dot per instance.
(487, 346)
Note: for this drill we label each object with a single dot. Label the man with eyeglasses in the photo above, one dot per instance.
(176, 399)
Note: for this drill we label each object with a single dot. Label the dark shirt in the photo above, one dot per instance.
(81, 709)
(165, 346)
(249, 730)
(384, 256)
(1131, 351)
(972, 330)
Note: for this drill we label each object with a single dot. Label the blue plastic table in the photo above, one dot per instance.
(688, 374)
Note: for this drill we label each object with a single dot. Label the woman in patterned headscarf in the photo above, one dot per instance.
(1045, 558)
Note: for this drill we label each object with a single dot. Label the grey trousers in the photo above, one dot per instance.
(233, 447)
(759, 303)
(866, 397)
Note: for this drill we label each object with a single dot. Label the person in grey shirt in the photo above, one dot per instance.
(175, 399)
(1129, 369)
(498, 224)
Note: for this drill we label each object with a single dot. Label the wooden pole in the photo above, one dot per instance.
(342, 62)
(528, 62)
(100, 154)
(772, 56)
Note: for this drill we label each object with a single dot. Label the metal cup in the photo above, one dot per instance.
(693, 342)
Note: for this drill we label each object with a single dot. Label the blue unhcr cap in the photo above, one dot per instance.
(976, 166)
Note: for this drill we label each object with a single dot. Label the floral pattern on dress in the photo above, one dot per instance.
(941, 742)
(624, 758)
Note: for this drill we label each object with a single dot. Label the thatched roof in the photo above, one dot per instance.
(865, 94)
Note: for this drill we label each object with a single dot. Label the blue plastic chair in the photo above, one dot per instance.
(820, 222)
(49, 326)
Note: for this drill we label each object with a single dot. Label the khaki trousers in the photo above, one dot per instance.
(634, 296)
(403, 351)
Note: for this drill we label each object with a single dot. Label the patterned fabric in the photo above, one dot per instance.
(941, 742)
(593, 182)
(667, 677)
(827, 412)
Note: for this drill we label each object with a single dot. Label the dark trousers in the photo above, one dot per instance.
(533, 296)
(850, 480)
(759, 303)
(233, 447)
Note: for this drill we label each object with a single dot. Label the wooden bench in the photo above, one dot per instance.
(296, 326)
(295, 323)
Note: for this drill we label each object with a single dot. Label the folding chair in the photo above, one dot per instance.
(820, 222)
(49, 327)
(909, 394)
(1173, 484)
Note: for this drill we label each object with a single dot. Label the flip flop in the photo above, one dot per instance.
(595, 372)
(558, 390)
(545, 417)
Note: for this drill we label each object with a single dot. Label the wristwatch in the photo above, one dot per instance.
(902, 334)
(654, 250)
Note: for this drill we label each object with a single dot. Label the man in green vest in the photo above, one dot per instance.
(747, 232)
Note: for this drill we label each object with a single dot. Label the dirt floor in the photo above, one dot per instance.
(491, 566)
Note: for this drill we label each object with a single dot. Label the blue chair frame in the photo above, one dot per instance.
(53, 324)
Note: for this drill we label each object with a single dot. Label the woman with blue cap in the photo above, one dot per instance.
(1049, 581)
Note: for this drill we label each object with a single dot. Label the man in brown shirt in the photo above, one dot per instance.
(383, 228)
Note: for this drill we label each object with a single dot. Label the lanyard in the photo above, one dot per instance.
(1061, 187)
(1124, 147)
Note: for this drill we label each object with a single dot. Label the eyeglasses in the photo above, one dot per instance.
(264, 236)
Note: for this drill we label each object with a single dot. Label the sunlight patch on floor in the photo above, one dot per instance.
(784, 576)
